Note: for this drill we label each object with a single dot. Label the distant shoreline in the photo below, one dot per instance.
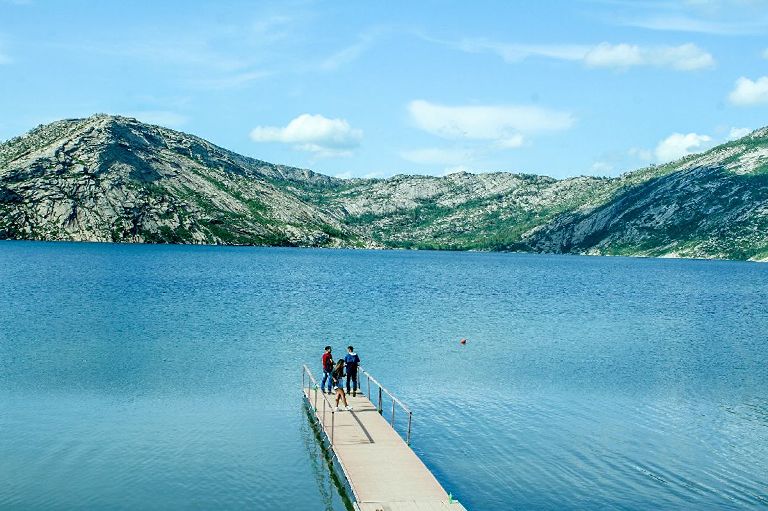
(388, 249)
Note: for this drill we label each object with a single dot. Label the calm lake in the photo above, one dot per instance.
(168, 377)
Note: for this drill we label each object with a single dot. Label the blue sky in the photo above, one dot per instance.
(355, 89)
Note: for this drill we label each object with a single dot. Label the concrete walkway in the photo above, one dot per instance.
(383, 471)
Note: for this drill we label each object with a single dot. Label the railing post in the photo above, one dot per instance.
(308, 379)
(408, 436)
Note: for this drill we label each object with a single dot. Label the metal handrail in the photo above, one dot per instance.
(380, 407)
(308, 381)
(306, 372)
(312, 379)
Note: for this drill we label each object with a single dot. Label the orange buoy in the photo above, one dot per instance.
(463, 341)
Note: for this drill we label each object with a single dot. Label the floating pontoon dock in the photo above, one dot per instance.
(380, 468)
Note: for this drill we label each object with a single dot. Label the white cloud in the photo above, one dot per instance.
(505, 125)
(749, 92)
(518, 52)
(344, 56)
(765, 54)
(437, 156)
(736, 133)
(232, 81)
(641, 154)
(511, 142)
(686, 57)
(161, 117)
(716, 17)
(313, 133)
(678, 145)
(688, 24)
(715, 7)
(351, 52)
(614, 55)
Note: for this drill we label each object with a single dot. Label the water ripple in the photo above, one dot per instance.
(137, 377)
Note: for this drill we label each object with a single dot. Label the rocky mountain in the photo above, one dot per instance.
(109, 178)
(710, 205)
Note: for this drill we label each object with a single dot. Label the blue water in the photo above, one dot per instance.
(166, 377)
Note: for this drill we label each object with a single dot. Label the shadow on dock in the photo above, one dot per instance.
(367, 456)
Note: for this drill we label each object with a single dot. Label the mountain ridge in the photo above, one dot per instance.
(113, 178)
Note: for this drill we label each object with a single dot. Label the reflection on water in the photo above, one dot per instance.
(160, 377)
(328, 475)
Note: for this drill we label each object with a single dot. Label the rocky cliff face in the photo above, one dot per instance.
(712, 205)
(108, 178)
(114, 179)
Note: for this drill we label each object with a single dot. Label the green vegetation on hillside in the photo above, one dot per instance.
(108, 178)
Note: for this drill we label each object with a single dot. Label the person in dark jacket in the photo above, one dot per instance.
(327, 370)
(338, 379)
(351, 360)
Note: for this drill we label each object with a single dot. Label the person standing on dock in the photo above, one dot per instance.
(327, 370)
(352, 361)
(338, 381)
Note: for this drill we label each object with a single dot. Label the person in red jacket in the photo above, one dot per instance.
(327, 370)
